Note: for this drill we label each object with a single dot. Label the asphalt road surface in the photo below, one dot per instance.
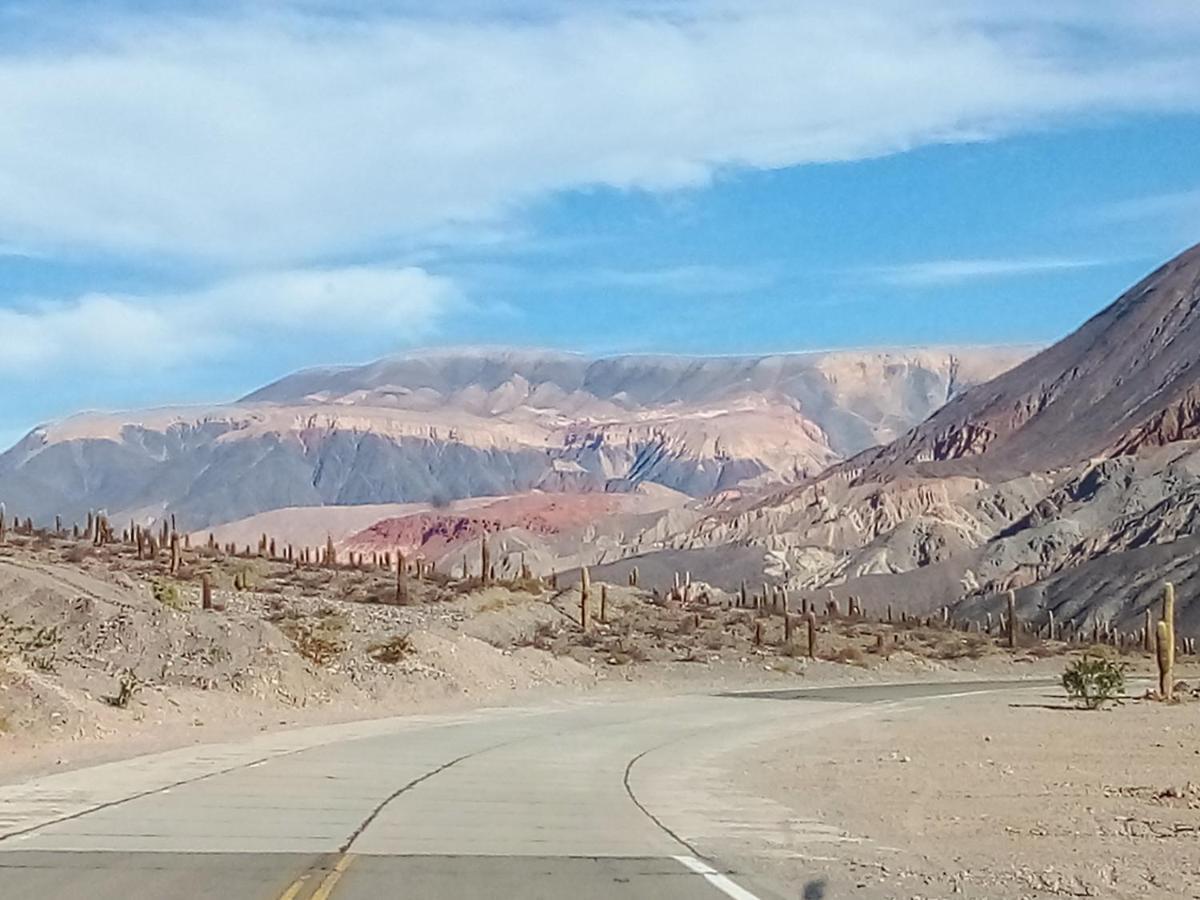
(580, 800)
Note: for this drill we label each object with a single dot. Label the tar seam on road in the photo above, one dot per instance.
(404, 788)
(638, 803)
(138, 796)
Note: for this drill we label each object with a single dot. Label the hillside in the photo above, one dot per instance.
(1127, 380)
(1073, 478)
(437, 426)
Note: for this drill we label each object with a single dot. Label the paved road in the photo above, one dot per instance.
(581, 800)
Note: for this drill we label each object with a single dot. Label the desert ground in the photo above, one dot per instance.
(107, 656)
(1012, 794)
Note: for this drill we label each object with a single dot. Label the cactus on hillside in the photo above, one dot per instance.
(585, 590)
(485, 561)
(401, 579)
(1010, 622)
(811, 621)
(1166, 644)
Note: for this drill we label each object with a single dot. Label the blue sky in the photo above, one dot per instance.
(197, 198)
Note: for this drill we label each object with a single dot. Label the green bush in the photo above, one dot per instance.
(1091, 681)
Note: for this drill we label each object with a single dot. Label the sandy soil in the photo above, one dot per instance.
(1001, 795)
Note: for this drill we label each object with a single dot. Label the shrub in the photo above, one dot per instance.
(391, 651)
(1091, 681)
(167, 593)
(127, 686)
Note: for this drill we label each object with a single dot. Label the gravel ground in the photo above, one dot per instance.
(1001, 795)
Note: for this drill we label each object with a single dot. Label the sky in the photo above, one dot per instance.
(199, 197)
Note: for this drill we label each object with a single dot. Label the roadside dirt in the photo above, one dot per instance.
(999, 795)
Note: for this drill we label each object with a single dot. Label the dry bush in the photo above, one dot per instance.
(167, 593)
(392, 650)
(526, 586)
(1042, 650)
(78, 553)
(795, 648)
(960, 646)
(319, 649)
(850, 655)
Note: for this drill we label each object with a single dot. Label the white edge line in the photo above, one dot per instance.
(723, 884)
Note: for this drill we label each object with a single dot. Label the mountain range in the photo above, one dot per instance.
(438, 426)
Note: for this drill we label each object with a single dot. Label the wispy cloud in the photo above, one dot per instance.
(110, 332)
(939, 272)
(1181, 206)
(682, 279)
(278, 134)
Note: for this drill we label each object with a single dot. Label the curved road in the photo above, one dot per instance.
(584, 800)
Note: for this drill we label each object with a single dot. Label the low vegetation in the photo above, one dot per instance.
(1094, 681)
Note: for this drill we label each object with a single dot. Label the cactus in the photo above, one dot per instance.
(811, 621)
(787, 627)
(1166, 644)
(1050, 625)
(758, 633)
(585, 590)
(633, 577)
(485, 561)
(743, 602)
(205, 592)
(401, 579)
(175, 554)
(1011, 621)
(330, 552)
(604, 604)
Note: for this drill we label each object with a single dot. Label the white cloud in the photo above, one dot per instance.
(934, 273)
(1182, 207)
(282, 137)
(129, 332)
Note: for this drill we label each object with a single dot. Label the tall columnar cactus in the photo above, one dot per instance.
(604, 604)
(585, 590)
(1011, 621)
(1148, 629)
(1166, 644)
(175, 554)
(2, 523)
(205, 592)
(485, 561)
(330, 552)
(401, 579)
(811, 621)
(633, 577)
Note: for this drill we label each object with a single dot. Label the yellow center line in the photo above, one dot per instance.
(326, 887)
(295, 888)
(328, 883)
